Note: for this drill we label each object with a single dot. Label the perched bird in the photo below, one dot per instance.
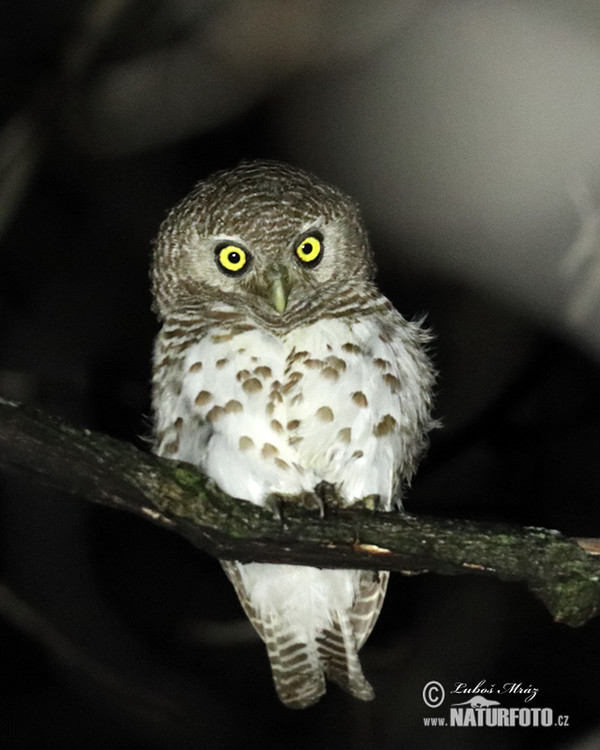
(280, 367)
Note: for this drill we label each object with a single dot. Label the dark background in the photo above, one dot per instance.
(119, 635)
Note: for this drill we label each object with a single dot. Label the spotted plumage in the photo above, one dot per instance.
(280, 366)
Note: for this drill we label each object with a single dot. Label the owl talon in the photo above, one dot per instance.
(277, 503)
(369, 502)
(274, 504)
(328, 495)
(311, 501)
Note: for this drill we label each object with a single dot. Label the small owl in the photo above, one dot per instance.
(280, 367)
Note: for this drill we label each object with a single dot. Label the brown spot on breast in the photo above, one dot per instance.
(313, 364)
(215, 413)
(276, 425)
(242, 375)
(330, 373)
(392, 382)
(383, 364)
(336, 363)
(295, 377)
(282, 464)
(203, 398)
(252, 385)
(246, 443)
(324, 414)
(270, 408)
(276, 397)
(294, 440)
(178, 423)
(358, 454)
(385, 427)
(293, 424)
(233, 406)
(172, 447)
(269, 450)
(297, 399)
(221, 363)
(360, 399)
(351, 348)
(293, 356)
(263, 371)
(196, 367)
(345, 435)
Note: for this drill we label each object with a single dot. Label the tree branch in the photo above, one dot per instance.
(565, 575)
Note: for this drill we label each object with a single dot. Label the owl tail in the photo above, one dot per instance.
(301, 664)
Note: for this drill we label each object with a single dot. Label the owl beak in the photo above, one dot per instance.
(278, 294)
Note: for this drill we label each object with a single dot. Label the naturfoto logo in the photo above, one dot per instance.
(479, 709)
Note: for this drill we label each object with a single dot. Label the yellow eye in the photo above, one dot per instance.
(231, 259)
(310, 250)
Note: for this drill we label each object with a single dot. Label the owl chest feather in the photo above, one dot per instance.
(261, 413)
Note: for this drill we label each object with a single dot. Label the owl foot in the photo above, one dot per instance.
(369, 502)
(274, 504)
(328, 495)
(312, 501)
(277, 502)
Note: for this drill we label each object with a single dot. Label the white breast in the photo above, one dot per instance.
(262, 414)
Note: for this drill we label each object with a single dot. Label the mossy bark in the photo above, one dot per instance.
(101, 469)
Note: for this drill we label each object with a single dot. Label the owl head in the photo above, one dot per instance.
(265, 237)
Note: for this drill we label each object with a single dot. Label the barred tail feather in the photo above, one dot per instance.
(301, 659)
(339, 656)
(296, 668)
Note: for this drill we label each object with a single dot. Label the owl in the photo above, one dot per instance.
(280, 368)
